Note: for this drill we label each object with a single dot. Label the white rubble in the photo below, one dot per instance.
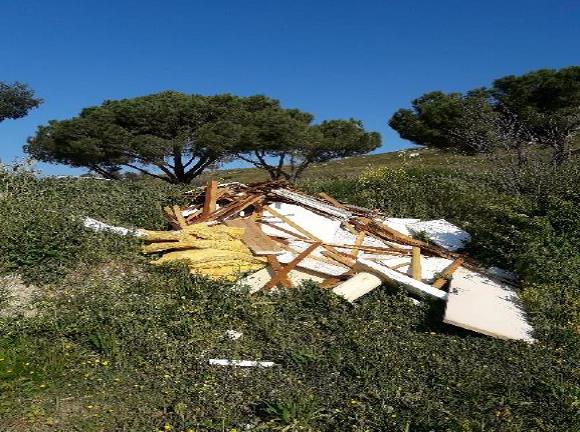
(99, 226)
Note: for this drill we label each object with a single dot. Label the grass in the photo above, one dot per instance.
(352, 167)
(119, 345)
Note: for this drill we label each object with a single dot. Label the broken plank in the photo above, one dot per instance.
(447, 273)
(276, 266)
(209, 203)
(330, 199)
(393, 276)
(253, 237)
(416, 263)
(360, 238)
(179, 217)
(290, 266)
(357, 286)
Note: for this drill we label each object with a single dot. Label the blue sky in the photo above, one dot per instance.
(335, 59)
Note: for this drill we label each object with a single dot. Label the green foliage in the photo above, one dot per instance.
(539, 108)
(41, 221)
(175, 137)
(16, 100)
(436, 117)
(543, 91)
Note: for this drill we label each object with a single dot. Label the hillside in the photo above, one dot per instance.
(354, 166)
(95, 338)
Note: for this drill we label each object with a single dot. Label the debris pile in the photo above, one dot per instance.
(275, 237)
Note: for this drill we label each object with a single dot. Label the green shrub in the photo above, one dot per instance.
(41, 221)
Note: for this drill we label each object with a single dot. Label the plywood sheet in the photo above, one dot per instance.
(258, 242)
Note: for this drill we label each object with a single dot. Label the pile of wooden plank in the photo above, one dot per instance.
(353, 250)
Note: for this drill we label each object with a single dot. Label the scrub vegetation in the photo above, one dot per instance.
(116, 344)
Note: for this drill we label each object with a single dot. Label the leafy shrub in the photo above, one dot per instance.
(41, 221)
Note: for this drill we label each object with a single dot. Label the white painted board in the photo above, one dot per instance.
(442, 233)
(393, 276)
(486, 306)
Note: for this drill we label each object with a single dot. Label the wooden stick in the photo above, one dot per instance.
(290, 266)
(447, 273)
(314, 257)
(234, 208)
(416, 263)
(170, 217)
(358, 243)
(291, 223)
(330, 199)
(209, 204)
(179, 217)
(337, 256)
(371, 249)
(276, 266)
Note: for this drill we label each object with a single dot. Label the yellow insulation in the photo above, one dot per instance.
(215, 251)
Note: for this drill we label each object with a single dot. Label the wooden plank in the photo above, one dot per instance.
(358, 285)
(447, 273)
(291, 223)
(258, 242)
(170, 217)
(235, 208)
(369, 249)
(179, 217)
(484, 305)
(330, 199)
(360, 238)
(320, 259)
(277, 267)
(393, 276)
(290, 266)
(209, 204)
(416, 263)
(337, 256)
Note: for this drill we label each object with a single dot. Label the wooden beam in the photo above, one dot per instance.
(277, 267)
(291, 223)
(330, 199)
(209, 204)
(447, 273)
(253, 237)
(337, 256)
(360, 238)
(179, 217)
(416, 263)
(290, 266)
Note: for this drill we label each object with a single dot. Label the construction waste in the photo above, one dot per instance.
(272, 236)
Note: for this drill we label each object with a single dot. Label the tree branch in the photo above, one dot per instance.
(147, 172)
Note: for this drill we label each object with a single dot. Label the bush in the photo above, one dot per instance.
(41, 221)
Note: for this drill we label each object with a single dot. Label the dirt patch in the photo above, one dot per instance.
(16, 298)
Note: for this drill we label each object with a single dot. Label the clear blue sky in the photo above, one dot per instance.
(335, 59)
